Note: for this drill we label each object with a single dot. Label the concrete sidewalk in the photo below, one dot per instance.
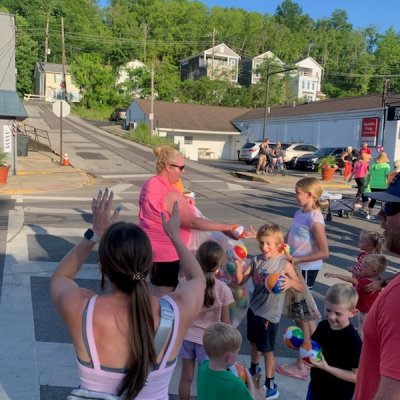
(40, 172)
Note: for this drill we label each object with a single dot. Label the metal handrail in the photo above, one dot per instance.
(37, 133)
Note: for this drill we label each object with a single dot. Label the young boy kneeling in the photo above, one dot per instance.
(334, 376)
(214, 380)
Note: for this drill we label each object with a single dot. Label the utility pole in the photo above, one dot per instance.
(46, 50)
(212, 54)
(64, 88)
(385, 91)
(151, 116)
(269, 73)
(145, 43)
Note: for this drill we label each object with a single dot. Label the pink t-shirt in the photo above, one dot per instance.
(208, 315)
(152, 202)
(381, 345)
(360, 169)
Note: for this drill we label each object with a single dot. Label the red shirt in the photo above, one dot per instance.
(381, 346)
(365, 150)
(365, 299)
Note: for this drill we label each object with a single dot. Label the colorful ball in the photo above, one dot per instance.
(241, 371)
(240, 251)
(238, 231)
(273, 282)
(293, 337)
(310, 351)
(284, 248)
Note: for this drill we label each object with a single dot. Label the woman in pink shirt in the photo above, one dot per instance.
(359, 173)
(159, 195)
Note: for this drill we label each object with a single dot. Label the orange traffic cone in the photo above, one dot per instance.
(66, 160)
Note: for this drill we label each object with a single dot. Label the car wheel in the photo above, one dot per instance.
(247, 162)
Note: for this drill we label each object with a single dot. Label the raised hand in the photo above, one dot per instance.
(103, 216)
(173, 224)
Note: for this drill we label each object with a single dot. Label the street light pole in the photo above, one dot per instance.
(269, 73)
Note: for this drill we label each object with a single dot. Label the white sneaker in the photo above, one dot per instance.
(258, 172)
(357, 205)
(370, 217)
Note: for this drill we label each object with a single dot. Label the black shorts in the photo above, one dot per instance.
(165, 273)
(261, 332)
(310, 277)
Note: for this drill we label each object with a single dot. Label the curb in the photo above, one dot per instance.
(251, 177)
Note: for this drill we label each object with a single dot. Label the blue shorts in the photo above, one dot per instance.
(261, 332)
(193, 351)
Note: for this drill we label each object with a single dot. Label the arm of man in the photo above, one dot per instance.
(389, 389)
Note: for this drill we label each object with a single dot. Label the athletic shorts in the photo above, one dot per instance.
(261, 332)
(310, 277)
(165, 273)
(192, 351)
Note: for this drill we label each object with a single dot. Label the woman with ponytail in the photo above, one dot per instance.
(217, 298)
(126, 340)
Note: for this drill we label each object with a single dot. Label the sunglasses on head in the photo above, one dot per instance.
(391, 209)
(181, 167)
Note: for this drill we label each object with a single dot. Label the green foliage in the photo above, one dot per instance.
(99, 41)
(100, 113)
(143, 136)
(327, 162)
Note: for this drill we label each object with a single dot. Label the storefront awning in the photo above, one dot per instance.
(11, 106)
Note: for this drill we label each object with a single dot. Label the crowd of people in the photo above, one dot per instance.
(270, 159)
(161, 302)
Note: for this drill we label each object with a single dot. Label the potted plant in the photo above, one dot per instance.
(4, 167)
(327, 166)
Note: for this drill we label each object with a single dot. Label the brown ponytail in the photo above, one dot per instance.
(211, 257)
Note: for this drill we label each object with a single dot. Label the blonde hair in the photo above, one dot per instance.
(375, 240)
(377, 261)
(165, 155)
(271, 230)
(382, 158)
(221, 338)
(314, 187)
(342, 294)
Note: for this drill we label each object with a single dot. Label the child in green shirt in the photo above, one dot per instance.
(214, 379)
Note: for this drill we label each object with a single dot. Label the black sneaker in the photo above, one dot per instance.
(258, 371)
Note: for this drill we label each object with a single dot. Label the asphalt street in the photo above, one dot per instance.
(37, 229)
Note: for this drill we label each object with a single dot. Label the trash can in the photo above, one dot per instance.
(22, 145)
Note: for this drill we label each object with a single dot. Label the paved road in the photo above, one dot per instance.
(36, 355)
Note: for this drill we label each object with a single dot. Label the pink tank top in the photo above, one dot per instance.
(152, 202)
(100, 379)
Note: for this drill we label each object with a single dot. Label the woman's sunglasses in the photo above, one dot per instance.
(181, 167)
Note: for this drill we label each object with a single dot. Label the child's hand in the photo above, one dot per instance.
(373, 286)
(285, 283)
(330, 275)
(251, 233)
(320, 364)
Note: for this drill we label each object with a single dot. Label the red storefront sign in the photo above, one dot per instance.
(369, 130)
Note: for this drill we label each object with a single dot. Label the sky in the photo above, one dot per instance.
(361, 13)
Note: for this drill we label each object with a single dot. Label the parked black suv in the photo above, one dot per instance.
(310, 161)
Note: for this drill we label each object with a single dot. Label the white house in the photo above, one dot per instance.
(200, 131)
(218, 62)
(307, 82)
(250, 67)
(123, 72)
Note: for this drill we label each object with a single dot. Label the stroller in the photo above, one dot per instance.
(343, 206)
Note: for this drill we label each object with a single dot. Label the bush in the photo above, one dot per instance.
(95, 114)
(143, 136)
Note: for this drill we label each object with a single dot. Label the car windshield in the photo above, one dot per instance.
(325, 151)
(249, 145)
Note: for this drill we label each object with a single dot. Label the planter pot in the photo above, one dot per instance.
(3, 175)
(328, 173)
